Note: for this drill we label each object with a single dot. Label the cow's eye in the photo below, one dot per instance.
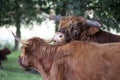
(61, 36)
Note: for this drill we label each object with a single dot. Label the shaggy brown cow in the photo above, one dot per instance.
(72, 61)
(78, 28)
(3, 53)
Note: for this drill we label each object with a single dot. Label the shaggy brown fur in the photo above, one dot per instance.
(73, 61)
(75, 28)
(3, 53)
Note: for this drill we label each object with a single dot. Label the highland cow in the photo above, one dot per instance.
(75, 60)
(79, 28)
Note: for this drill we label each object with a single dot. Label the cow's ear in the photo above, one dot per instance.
(92, 30)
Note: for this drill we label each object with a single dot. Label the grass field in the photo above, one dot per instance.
(11, 70)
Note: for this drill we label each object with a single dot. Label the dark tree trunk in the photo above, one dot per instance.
(18, 33)
(17, 24)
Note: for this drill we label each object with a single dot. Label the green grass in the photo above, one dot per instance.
(11, 70)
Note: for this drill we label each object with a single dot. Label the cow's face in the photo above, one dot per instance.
(59, 38)
(73, 27)
(25, 58)
(30, 56)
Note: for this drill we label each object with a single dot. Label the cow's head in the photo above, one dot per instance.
(74, 27)
(33, 55)
(30, 55)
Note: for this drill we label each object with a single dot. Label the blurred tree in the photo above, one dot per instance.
(17, 12)
(108, 11)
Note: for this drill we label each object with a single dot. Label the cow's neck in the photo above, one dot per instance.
(42, 71)
(49, 54)
(44, 61)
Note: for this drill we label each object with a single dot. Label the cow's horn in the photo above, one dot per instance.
(93, 23)
(19, 40)
(51, 16)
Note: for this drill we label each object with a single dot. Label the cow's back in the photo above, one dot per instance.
(94, 62)
(103, 37)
